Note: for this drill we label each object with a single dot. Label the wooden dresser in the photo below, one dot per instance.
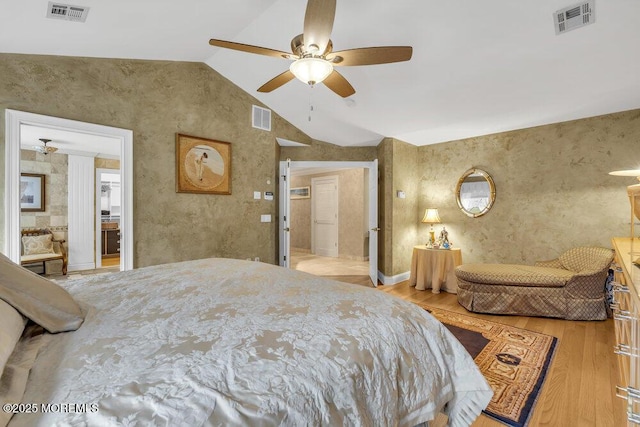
(626, 315)
(111, 242)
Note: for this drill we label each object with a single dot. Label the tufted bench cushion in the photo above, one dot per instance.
(514, 275)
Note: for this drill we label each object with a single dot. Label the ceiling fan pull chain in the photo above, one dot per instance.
(310, 102)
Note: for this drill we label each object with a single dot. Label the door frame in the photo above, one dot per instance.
(285, 207)
(13, 121)
(98, 220)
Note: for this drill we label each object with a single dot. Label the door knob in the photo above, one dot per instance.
(375, 229)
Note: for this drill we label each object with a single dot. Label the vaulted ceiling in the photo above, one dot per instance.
(477, 68)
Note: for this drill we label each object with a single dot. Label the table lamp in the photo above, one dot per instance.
(634, 196)
(431, 217)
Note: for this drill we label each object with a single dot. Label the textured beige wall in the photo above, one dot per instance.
(106, 163)
(322, 151)
(398, 218)
(405, 211)
(301, 216)
(352, 242)
(385, 206)
(156, 99)
(552, 184)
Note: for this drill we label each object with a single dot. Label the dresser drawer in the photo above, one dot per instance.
(626, 318)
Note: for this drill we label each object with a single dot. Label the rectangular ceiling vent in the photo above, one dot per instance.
(67, 12)
(576, 16)
(261, 118)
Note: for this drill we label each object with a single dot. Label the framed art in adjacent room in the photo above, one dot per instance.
(32, 192)
(300, 193)
(202, 165)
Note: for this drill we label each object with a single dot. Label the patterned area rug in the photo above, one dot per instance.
(514, 361)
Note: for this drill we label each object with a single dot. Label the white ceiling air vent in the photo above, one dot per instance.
(576, 16)
(261, 118)
(67, 12)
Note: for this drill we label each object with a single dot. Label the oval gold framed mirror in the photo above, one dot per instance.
(475, 192)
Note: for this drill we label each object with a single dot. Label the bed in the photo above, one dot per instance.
(221, 342)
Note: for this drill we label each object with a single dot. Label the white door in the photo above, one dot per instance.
(285, 213)
(373, 222)
(324, 216)
(80, 194)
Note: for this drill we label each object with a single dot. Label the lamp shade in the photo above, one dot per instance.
(311, 70)
(628, 172)
(431, 216)
(634, 198)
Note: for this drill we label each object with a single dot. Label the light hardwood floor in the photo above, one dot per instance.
(343, 270)
(579, 389)
(112, 261)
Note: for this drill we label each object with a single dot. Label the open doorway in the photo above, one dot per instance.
(307, 238)
(108, 211)
(17, 126)
(329, 223)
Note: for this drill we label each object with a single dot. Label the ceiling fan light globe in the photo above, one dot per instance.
(311, 70)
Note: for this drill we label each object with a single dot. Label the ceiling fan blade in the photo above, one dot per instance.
(337, 83)
(318, 23)
(371, 55)
(251, 49)
(277, 81)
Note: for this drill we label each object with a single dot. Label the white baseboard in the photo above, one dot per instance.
(80, 267)
(392, 280)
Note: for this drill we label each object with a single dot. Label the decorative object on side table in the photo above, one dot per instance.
(444, 239)
(431, 217)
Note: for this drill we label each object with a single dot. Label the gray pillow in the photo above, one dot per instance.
(37, 298)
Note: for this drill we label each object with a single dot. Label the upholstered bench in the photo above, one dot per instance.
(39, 246)
(570, 287)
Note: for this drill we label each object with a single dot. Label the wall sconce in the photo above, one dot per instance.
(431, 217)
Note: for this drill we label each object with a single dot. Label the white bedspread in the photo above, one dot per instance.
(221, 342)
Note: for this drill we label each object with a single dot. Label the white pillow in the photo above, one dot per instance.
(10, 332)
(34, 245)
(38, 299)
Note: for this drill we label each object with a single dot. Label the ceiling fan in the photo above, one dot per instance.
(312, 52)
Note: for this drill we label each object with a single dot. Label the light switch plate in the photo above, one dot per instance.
(265, 218)
(257, 195)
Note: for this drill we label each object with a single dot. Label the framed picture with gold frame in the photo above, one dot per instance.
(202, 165)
